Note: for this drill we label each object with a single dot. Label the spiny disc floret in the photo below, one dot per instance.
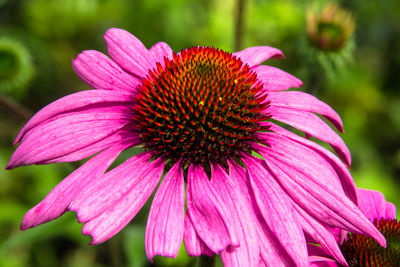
(360, 250)
(203, 105)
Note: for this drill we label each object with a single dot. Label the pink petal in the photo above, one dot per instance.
(118, 137)
(100, 72)
(128, 52)
(111, 221)
(316, 261)
(228, 188)
(275, 79)
(305, 102)
(165, 224)
(57, 201)
(318, 257)
(270, 249)
(193, 244)
(315, 166)
(67, 133)
(320, 234)
(208, 212)
(312, 125)
(80, 100)
(344, 175)
(160, 51)
(323, 202)
(390, 211)
(104, 192)
(258, 54)
(372, 203)
(276, 210)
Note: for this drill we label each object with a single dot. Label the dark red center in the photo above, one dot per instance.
(360, 250)
(203, 105)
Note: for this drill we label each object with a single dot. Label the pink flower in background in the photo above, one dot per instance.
(201, 115)
(361, 250)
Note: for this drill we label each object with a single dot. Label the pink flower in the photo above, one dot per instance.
(360, 250)
(201, 115)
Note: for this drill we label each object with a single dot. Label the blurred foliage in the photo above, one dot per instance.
(46, 34)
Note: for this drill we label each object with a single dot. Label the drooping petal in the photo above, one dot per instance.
(315, 166)
(80, 100)
(322, 202)
(208, 212)
(372, 203)
(161, 50)
(320, 234)
(165, 224)
(111, 221)
(57, 201)
(67, 133)
(100, 72)
(258, 54)
(274, 79)
(316, 261)
(390, 211)
(312, 125)
(195, 247)
(344, 175)
(319, 258)
(276, 210)
(271, 251)
(228, 188)
(128, 52)
(306, 102)
(102, 193)
(121, 136)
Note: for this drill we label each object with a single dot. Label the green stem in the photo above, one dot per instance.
(314, 81)
(16, 108)
(239, 24)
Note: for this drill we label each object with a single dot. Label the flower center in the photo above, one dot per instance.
(203, 105)
(360, 250)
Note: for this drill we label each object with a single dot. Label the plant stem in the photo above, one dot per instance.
(239, 24)
(16, 108)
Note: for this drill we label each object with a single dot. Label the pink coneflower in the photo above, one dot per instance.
(360, 250)
(201, 115)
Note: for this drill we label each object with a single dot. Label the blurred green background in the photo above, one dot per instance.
(38, 39)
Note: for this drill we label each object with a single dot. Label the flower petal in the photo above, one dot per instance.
(320, 234)
(390, 211)
(270, 249)
(275, 79)
(80, 100)
(312, 125)
(228, 188)
(165, 223)
(121, 136)
(193, 244)
(315, 167)
(344, 175)
(100, 72)
(57, 201)
(68, 133)
(306, 102)
(128, 52)
(208, 212)
(160, 51)
(276, 210)
(104, 192)
(111, 221)
(372, 203)
(320, 201)
(258, 54)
